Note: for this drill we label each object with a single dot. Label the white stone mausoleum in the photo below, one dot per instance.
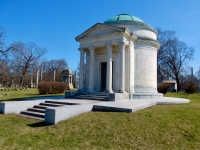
(121, 57)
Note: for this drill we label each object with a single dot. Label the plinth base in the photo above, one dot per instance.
(147, 96)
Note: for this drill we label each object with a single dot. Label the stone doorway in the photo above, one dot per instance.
(103, 76)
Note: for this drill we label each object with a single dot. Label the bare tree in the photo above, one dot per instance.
(186, 80)
(3, 71)
(27, 56)
(3, 66)
(49, 66)
(13, 71)
(174, 55)
(3, 47)
(168, 40)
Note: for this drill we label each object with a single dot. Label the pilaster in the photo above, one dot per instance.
(131, 67)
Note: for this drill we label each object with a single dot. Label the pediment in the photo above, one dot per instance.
(100, 30)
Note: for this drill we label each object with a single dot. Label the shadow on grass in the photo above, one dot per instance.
(38, 124)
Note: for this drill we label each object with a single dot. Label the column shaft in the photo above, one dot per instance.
(54, 75)
(91, 71)
(87, 68)
(122, 66)
(81, 68)
(109, 69)
(37, 78)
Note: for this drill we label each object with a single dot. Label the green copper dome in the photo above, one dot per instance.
(123, 17)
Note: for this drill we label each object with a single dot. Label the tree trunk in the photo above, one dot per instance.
(178, 84)
(11, 83)
(22, 79)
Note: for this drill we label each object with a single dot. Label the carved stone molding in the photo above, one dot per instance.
(91, 49)
(109, 47)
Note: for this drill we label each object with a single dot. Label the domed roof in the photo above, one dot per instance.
(123, 17)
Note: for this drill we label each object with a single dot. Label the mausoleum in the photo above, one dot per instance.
(67, 78)
(120, 57)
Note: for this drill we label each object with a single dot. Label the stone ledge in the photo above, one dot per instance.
(17, 106)
(53, 115)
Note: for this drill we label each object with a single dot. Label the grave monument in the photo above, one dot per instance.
(67, 78)
(121, 57)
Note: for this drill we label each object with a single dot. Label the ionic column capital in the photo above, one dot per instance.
(131, 43)
(81, 49)
(109, 46)
(91, 49)
(122, 45)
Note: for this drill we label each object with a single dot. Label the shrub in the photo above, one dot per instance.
(190, 88)
(51, 87)
(163, 88)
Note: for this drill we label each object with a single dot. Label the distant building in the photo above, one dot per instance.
(160, 75)
(67, 77)
(162, 79)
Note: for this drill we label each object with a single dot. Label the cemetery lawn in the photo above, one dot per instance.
(19, 94)
(158, 127)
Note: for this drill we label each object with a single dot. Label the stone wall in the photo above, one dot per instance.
(145, 68)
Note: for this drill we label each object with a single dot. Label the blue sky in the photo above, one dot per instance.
(54, 24)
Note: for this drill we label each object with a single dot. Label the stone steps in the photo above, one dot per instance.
(93, 96)
(33, 117)
(40, 106)
(101, 97)
(33, 114)
(38, 111)
(63, 103)
(51, 104)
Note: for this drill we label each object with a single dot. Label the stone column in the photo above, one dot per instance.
(109, 69)
(41, 72)
(122, 66)
(91, 71)
(37, 74)
(54, 75)
(31, 85)
(75, 79)
(131, 67)
(87, 68)
(81, 68)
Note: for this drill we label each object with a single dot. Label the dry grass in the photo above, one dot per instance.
(158, 127)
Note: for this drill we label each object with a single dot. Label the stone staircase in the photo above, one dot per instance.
(38, 111)
(96, 96)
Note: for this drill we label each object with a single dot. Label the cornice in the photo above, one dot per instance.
(149, 40)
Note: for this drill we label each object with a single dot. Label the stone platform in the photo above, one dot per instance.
(74, 107)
